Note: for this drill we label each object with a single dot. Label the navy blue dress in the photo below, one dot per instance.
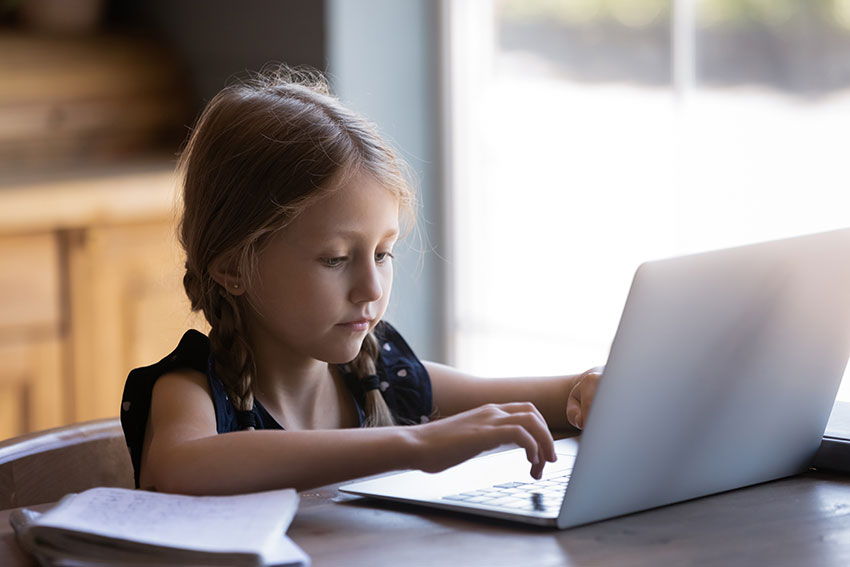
(401, 378)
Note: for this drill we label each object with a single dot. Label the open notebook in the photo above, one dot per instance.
(722, 374)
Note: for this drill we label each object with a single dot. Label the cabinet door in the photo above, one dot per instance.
(31, 386)
(32, 375)
(128, 308)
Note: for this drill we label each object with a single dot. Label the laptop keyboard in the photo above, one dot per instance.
(544, 495)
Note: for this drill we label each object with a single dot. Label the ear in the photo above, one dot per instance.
(224, 270)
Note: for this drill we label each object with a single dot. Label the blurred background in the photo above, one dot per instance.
(592, 135)
(96, 98)
(556, 145)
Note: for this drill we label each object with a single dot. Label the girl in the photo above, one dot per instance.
(291, 207)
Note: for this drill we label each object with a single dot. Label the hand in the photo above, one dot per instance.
(450, 441)
(581, 396)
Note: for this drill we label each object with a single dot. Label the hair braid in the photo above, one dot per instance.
(234, 360)
(377, 412)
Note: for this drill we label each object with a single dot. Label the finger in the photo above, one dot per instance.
(586, 403)
(530, 417)
(581, 397)
(533, 421)
(524, 439)
(536, 427)
(520, 436)
(574, 414)
(586, 393)
(529, 431)
(537, 470)
(521, 407)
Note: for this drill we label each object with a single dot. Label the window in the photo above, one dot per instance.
(591, 135)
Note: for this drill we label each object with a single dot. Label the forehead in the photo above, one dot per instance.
(362, 205)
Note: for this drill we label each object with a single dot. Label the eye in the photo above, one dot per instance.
(333, 262)
(382, 257)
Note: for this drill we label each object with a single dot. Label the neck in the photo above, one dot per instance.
(280, 385)
(299, 392)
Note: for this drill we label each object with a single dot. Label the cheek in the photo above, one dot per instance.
(386, 286)
(317, 294)
(286, 292)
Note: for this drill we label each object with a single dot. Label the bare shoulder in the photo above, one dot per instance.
(181, 410)
(186, 381)
(182, 399)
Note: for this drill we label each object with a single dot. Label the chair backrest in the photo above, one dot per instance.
(44, 466)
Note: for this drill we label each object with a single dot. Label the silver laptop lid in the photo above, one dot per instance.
(722, 374)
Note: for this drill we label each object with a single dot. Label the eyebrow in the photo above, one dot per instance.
(349, 233)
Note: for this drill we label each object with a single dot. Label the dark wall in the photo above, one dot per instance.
(217, 39)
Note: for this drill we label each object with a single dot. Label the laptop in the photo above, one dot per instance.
(722, 374)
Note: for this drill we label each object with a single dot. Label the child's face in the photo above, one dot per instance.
(324, 281)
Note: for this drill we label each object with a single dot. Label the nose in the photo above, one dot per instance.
(367, 285)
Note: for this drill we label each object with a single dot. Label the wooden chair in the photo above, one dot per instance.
(44, 466)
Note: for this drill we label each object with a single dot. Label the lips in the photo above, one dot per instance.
(361, 324)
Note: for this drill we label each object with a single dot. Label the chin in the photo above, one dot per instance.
(343, 349)
(344, 356)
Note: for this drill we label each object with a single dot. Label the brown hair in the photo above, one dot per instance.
(260, 153)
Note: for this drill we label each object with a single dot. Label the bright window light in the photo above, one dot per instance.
(592, 135)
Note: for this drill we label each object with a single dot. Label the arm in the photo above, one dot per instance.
(183, 453)
(564, 401)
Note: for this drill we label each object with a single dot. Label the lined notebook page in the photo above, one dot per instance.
(244, 523)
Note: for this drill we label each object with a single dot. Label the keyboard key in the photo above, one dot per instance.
(526, 504)
(508, 485)
(540, 495)
(479, 499)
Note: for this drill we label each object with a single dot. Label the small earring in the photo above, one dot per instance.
(235, 286)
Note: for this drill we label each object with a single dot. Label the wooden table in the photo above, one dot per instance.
(803, 520)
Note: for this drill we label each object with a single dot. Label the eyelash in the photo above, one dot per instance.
(335, 262)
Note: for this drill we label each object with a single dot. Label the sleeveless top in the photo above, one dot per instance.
(402, 379)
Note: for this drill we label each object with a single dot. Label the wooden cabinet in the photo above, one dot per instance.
(31, 353)
(90, 287)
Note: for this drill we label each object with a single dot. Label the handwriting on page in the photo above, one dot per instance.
(223, 523)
